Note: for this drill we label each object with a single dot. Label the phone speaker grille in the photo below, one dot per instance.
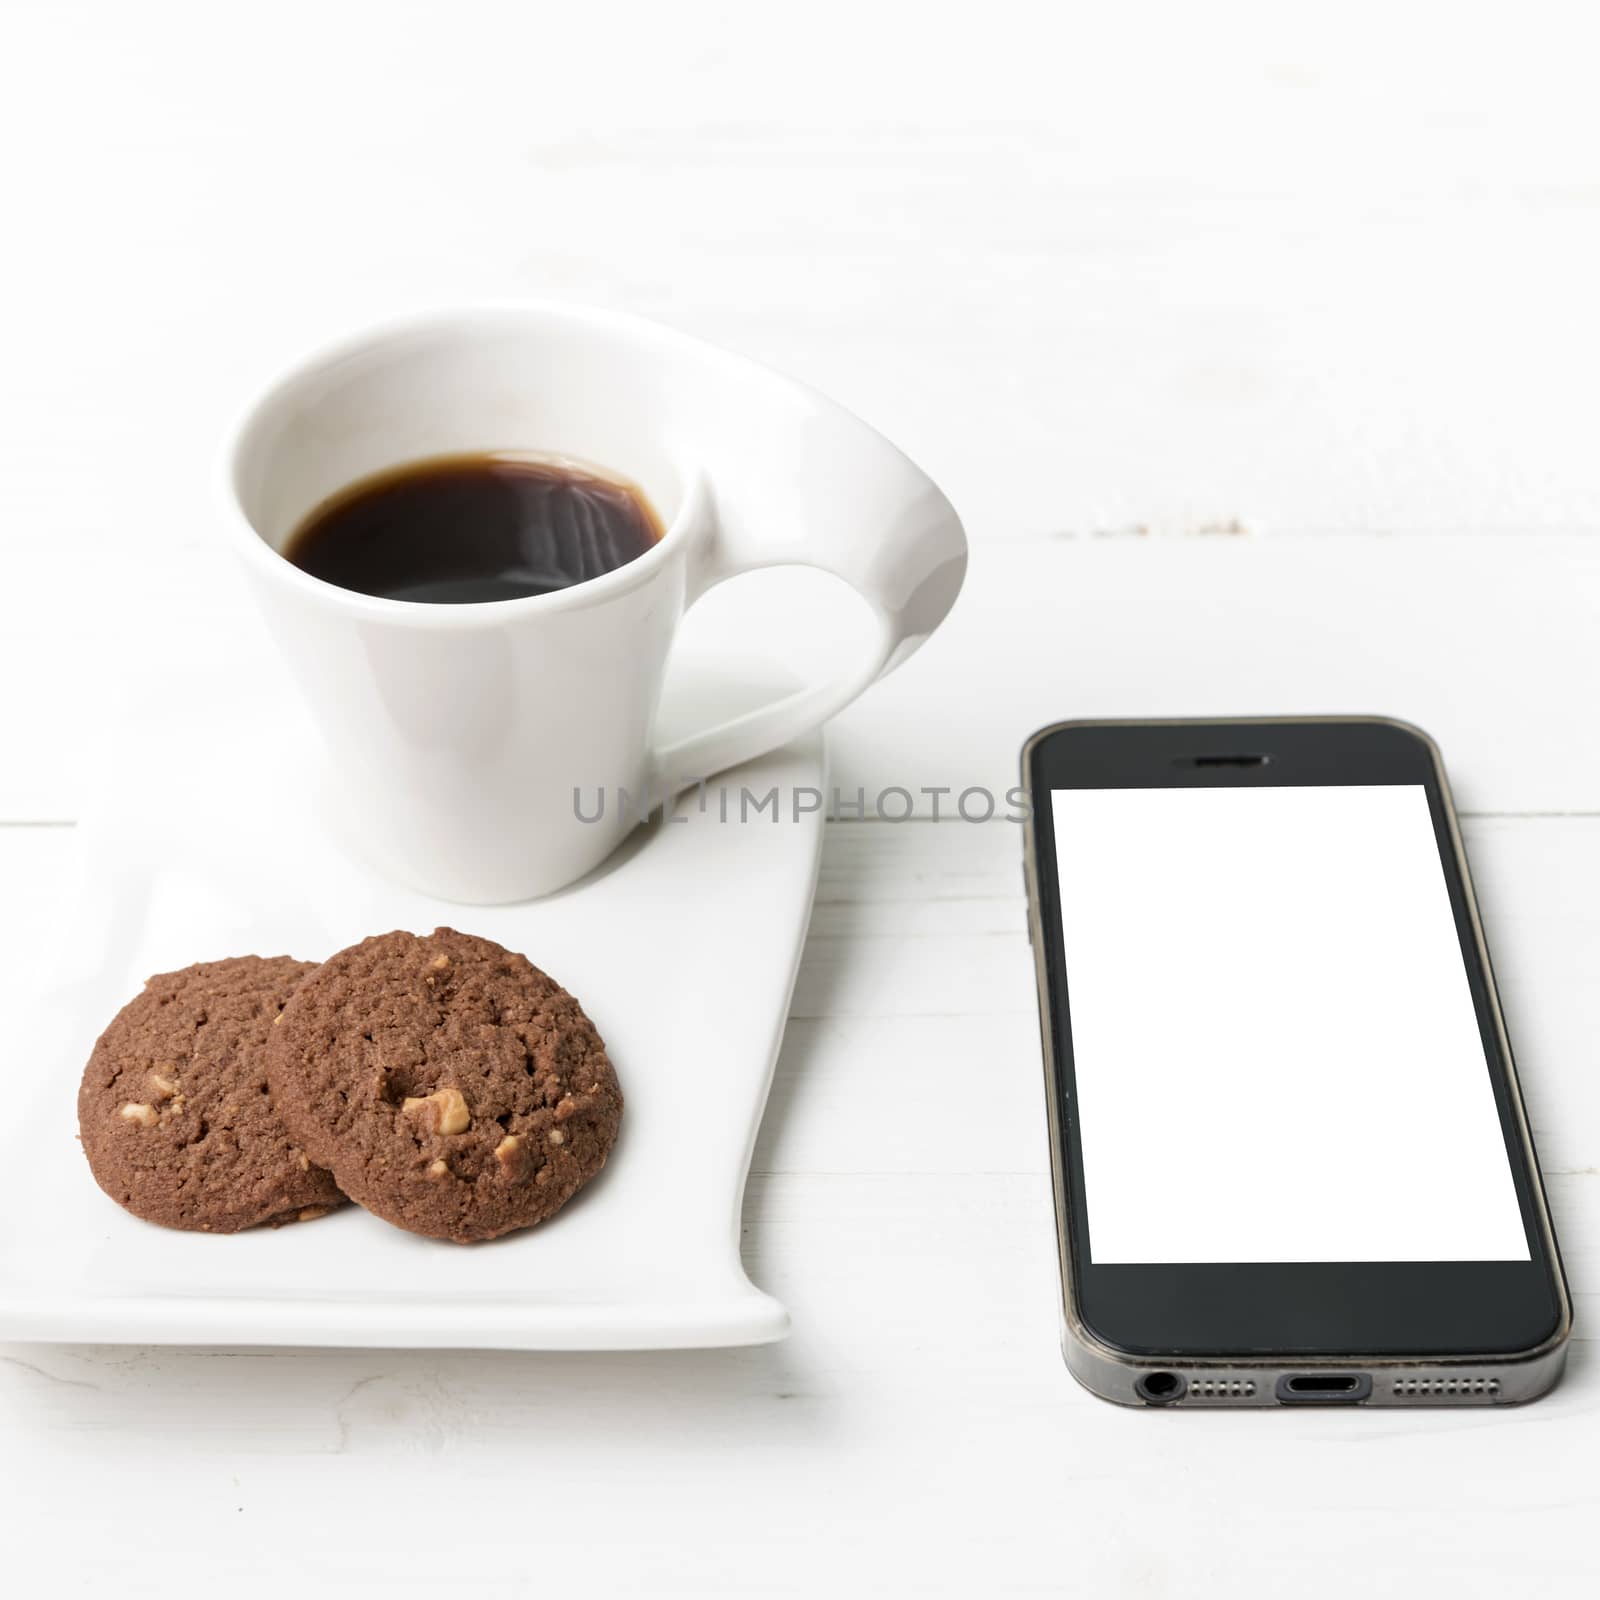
(1220, 1388)
(1445, 1388)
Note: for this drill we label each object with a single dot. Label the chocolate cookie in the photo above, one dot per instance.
(174, 1110)
(450, 1085)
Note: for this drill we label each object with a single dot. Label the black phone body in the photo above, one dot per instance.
(1290, 1154)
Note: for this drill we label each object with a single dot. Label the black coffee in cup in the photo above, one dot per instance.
(453, 530)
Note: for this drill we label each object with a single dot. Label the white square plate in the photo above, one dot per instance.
(683, 948)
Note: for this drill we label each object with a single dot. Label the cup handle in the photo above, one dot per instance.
(850, 505)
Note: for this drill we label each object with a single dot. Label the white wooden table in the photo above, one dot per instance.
(1260, 356)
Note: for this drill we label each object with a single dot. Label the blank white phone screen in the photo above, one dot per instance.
(1275, 1047)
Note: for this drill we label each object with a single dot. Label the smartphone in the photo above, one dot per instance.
(1291, 1161)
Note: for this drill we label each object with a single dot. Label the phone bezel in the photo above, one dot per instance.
(1327, 1309)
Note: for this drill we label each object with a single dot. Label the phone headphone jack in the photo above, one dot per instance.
(1161, 1388)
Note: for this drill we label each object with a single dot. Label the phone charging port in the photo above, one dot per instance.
(1324, 1388)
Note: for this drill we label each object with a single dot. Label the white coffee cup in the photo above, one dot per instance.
(460, 732)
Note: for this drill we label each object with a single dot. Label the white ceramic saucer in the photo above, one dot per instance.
(683, 949)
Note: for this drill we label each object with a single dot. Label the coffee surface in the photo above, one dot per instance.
(454, 530)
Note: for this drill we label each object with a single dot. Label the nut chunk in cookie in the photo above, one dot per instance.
(450, 1086)
(174, 1110)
